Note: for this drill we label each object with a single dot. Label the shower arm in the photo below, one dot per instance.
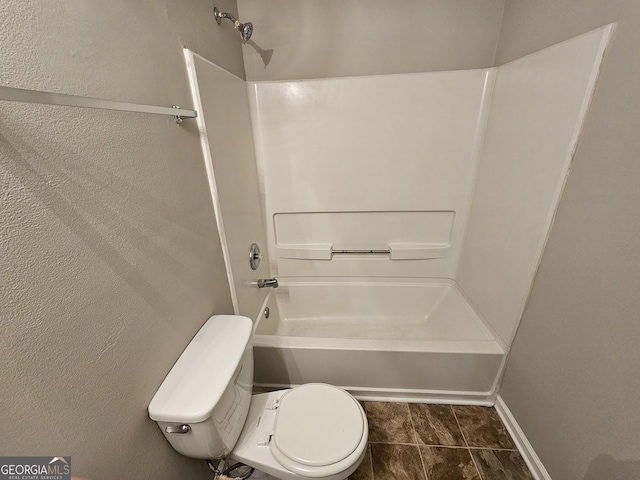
(220, 15)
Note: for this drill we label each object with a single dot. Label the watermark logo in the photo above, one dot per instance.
(35, 468)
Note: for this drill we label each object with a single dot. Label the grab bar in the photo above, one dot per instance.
(361, 252)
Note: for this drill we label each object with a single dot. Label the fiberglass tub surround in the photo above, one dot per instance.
(379, 310)
(358, 353)
(224, 123)
(378, 337)
(406, 215)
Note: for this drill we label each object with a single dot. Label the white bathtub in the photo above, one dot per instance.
(417, 339)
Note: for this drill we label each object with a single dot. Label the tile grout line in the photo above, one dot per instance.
(415, 437)
(446, 446)
(496, 449)
(424, 469)
(465, 441)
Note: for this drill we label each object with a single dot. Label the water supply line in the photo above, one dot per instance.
(237, 471)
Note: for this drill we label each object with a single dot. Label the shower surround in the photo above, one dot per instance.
(405, 216)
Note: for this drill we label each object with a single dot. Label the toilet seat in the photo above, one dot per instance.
(271, 442)
(317, 429)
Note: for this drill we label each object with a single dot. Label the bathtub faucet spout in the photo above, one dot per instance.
(268, 282)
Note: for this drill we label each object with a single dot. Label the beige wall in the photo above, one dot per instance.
(110, 258)
(338, 38)
(572, 377)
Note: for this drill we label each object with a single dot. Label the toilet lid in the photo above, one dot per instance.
(317, 425)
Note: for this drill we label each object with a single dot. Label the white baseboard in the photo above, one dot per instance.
(528, 453)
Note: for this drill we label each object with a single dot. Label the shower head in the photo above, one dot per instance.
(245, 29)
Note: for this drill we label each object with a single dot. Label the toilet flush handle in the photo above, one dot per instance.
(178, 429)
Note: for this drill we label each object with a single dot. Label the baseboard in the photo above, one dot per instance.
(528, 453)
(404, 395)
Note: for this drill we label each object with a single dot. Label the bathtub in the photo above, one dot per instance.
(382, 339)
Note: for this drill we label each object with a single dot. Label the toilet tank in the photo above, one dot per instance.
(203, 402)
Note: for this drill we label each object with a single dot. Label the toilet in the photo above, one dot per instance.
(205, 409)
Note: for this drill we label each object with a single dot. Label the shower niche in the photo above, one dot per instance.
(408, 235)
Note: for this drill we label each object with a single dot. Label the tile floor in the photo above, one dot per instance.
(438, 442)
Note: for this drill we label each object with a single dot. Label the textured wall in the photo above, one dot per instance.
(572, 377)
(110, 259)
(339, 38)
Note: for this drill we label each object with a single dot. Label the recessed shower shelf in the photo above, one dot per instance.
(395, 251)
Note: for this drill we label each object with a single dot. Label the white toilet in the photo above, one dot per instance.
(205, 409)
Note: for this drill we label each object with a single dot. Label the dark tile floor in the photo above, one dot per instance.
(438, 442)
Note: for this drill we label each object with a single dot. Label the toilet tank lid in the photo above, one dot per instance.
(198, 379)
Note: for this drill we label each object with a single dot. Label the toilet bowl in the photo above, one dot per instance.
(205, 409)
(314, 430)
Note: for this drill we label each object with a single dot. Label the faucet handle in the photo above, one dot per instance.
(255, 255)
